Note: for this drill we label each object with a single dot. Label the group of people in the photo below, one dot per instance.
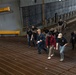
(49, 41)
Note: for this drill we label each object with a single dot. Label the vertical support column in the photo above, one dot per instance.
(43, 13)
(56, 17)
(26, 20)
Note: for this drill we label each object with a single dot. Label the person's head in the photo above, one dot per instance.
(60, 35)
(33, 27)
(39, 31)
(50, 33)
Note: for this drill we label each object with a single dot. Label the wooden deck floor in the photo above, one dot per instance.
(17, 59)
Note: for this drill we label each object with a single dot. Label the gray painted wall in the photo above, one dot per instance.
(10, 20)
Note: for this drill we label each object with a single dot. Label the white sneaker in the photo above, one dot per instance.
(52, 55)
(61, 60)
(49, 58)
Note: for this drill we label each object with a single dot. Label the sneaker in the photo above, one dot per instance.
(61, 60)
(49, 58)
(52, 55)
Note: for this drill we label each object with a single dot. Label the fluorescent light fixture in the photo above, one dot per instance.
(59, 0)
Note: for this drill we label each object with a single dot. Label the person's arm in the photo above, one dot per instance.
(56, 46)
(47, 42)
(54, 43)
(37, 39)
(27, 34)
(66, 43)
(31, 37)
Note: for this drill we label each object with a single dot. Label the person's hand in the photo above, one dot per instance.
(31, 39)
(65, 44)
(47, 46)
(56, 48)
(40, 40)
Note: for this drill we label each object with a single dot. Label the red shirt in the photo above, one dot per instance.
(50, 40)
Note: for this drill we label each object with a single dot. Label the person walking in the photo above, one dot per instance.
(29, 36)
(73, 40)
(40, 41)
(61, 44)
(51, 44)
(60, 25)
(34, 35)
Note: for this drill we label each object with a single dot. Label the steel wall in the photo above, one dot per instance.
(32, 12)
(10, 20)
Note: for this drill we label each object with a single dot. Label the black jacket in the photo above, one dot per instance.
(73, 38)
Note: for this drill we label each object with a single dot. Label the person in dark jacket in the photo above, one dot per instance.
(73, 40)
(56, 34)
(51, 44)
(60, 25)
(40, 41)
(75, 36)
(29, 36)
(52, 31)
(61, 44)
(46, 30)
(34, 35)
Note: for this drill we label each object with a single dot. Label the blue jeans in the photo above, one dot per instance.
(61, 48)
(40, 47)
